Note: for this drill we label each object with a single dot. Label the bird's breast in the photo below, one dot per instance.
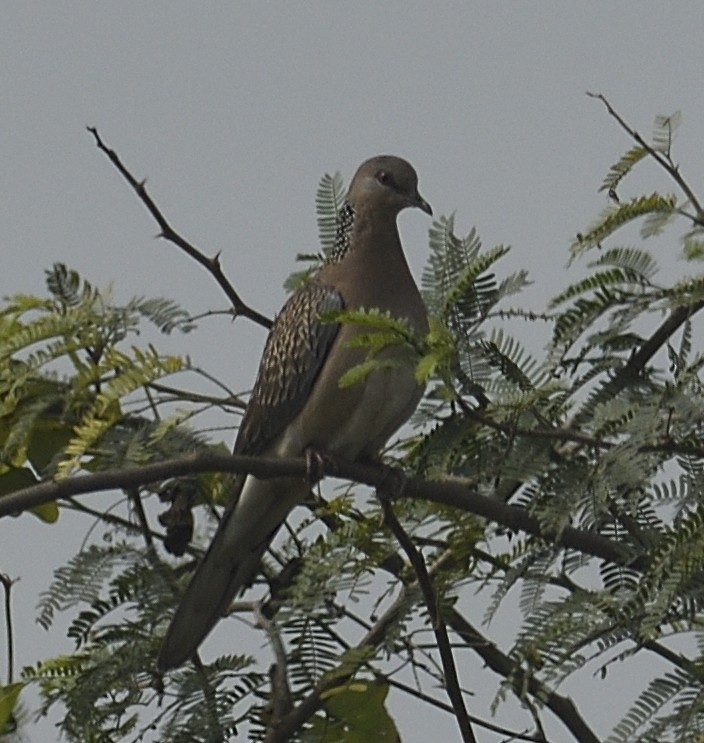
(354, 421)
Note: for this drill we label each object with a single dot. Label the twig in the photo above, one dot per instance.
(110, 518)
(196, 397)
(452, 683)
(492, 727)
(293, 721)
(666, 163)
(417, 693)
(300, 714)
(569, 436)
(212, 265)
(562, 707)
(281, 699)
(136, 500)
(7, 586)
(640, 358)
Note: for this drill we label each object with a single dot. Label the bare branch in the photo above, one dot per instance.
(450, 493)
(452, 683)
(281, 699)
(665, 162)
(212, 265)
(7, 586)
(136, 499)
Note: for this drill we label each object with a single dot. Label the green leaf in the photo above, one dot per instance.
(601, 279)
(297, 278)
(426, 367)
(664, 128)
(68, 287)
(468, 281)
(48, 438)
(614, 217)
(8, 699)
(328, 201)
(693, 250)
(361, 371)
(356, 714)
(440, 353)
(638, 263)
(16, 478)
(372, 318)
(47, 512)
(620, 169)
(375, 342)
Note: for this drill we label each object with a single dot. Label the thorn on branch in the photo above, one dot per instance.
(167, 232)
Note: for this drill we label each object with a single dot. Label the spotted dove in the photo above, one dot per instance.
(297, 405)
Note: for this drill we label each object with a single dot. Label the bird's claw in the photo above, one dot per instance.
(317, 463)
(392, 484)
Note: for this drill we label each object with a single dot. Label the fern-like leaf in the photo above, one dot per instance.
(664, 129)
(616, 216)
(329, 199)
(622, 168)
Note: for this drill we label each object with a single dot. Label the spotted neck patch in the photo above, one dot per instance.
(345, 220)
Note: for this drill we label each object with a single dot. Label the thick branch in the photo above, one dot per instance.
(563, 707)
(452, 493)
(212, 265)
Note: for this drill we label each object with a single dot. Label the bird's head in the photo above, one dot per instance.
(386, 182)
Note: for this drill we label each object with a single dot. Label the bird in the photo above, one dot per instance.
(297, 405)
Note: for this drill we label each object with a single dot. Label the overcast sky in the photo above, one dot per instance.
(234, 110)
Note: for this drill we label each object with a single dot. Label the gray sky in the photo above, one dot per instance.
(234, 110)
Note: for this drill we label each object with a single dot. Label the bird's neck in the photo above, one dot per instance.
(373, 272)
(366, 226)
(345, 222)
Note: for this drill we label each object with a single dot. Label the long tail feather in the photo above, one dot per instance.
(230, 563)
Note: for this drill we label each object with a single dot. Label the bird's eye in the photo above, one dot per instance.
(385, 178)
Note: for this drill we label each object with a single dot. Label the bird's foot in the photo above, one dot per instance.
(318, 463)
(392, 485)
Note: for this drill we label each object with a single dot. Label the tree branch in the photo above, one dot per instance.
(500, 663)
(212, 265)
(7, 587)
(281, 699)
(636, 363)
(669, 166)
(452, 683)
(449, 493)
(563, 707)
(136, 499)
(570, 436)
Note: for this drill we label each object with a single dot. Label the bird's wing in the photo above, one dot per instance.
(293, 356)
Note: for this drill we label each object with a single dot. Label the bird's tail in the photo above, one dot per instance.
(231, 561)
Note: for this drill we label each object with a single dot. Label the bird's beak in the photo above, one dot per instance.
(422, 204)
